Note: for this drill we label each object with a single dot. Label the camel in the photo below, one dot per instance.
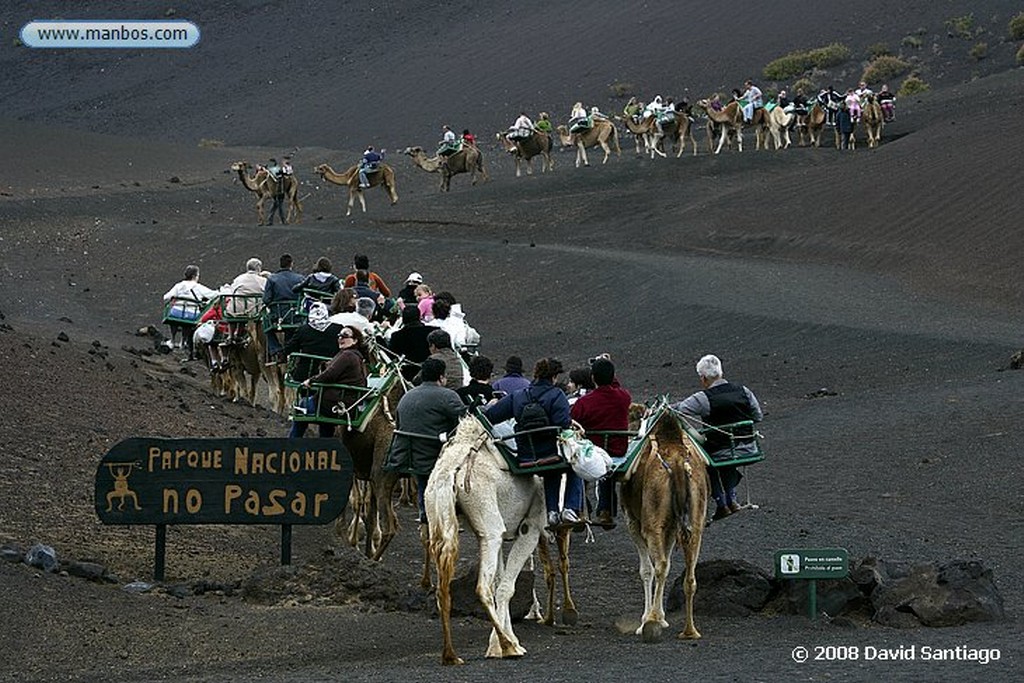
(665, 501)
(602, 133)
(779, 122)
(467, 160)
(523, 151)
(472, 475)
(871, 117)
(813, 123)
(730, 118)
(762, 128)
(676, 131)
(265, 187)
(384, 176)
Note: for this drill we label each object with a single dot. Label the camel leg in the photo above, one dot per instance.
(261, 216)
(425, 542)
(386, 488)
(549, 579)
(581, 155)
(690, 541)
(362, 201)
(351, 201)
(569, 614)
(662, 561)
(721, 140)
(607, 151)
(502, 643)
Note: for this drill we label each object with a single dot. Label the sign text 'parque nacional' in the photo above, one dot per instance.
(223, 481)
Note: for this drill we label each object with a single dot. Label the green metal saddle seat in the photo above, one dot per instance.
(355, 413)
(515, 466)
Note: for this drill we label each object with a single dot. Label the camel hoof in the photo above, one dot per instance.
(689, 634)
(570, 617)
(651, 632)
(452, 660)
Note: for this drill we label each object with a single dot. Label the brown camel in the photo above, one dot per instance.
(602, 133)
(265, 187)
(813, 123)
(871, 117)
(469, 159)
(525, 149)
(762, 128)
(665, 500)
(729, 119)
(383, 176)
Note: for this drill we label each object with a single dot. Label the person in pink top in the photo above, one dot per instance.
(425, 302)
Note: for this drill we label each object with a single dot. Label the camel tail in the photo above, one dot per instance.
(682, 473)
(444, 524)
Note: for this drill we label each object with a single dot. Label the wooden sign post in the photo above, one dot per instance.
(222, 481)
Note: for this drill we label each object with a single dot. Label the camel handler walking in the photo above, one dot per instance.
(425, 416)
(721, 403)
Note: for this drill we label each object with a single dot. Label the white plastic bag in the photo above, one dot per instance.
(589, 461)
(205, 332)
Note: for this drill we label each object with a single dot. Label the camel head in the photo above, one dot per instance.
(320, 170)
(240, 166)
(413, 151)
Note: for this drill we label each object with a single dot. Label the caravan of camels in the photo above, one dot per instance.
(658, 128)
(477, 481)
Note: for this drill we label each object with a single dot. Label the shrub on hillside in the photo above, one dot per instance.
(878, 50)
(796, 63)
(960, 27)
(1020, 56)
(912, 86)
(885, 68)
(621, 89)
(807, 85)
(914, 42)
(1017, 27)
(979, 51)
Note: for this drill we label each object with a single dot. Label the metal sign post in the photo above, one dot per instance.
(812, 564)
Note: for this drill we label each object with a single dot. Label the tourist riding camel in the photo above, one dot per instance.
(752, 100)
(370, 163)
(887, 101)
(719, 403)
(522, 128)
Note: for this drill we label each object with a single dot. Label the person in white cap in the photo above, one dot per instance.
(408, 292)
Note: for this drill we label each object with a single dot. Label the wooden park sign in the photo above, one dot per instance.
(223, 481)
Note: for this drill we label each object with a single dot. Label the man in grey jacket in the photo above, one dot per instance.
(427, 412)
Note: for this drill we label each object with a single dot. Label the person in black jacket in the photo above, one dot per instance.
(410, 341)
(721, 403)
(318, 337)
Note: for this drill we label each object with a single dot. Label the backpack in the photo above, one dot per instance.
(533, 416)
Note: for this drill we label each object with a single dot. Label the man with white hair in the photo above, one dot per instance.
(721, 403)
(246, 298)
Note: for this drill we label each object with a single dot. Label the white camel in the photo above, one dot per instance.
(497, 505)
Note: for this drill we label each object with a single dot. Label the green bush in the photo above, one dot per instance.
(830, 55)
(884, 69)
(1020, 56)
(878, 50)
(621, 89)
(913, 42)
(796, 63)
(807, 85)
(961, 27)
(979, 51)
(1017, 27)
(912, 86)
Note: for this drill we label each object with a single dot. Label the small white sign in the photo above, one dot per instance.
(789, 564)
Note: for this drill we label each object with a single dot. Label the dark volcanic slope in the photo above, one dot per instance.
(313, 73)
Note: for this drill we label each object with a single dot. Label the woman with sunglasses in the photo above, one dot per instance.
(348, 367)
